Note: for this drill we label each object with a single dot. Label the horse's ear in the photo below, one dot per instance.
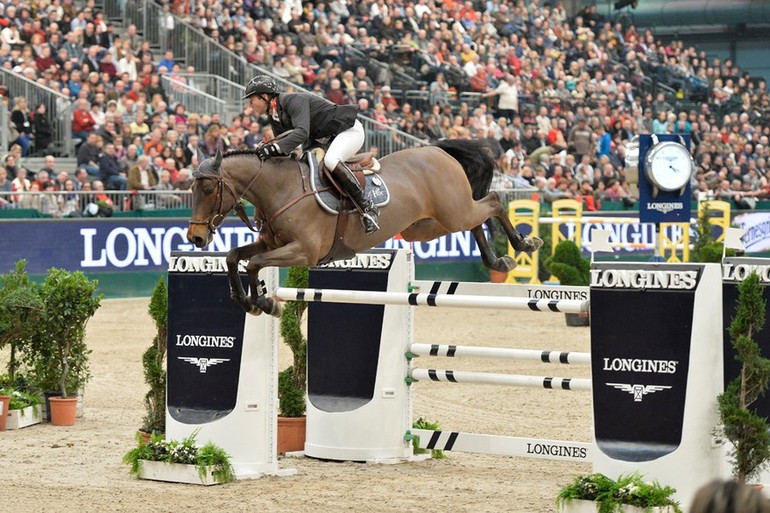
(217, 160)
(201, 156)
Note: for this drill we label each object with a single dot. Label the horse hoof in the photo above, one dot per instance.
(255, 311)
(504, 264)
(533, 244)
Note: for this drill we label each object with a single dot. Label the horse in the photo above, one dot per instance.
(435, 190)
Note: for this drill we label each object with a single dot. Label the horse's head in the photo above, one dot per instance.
(213, 198)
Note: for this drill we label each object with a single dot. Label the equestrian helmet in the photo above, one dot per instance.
(260, 84)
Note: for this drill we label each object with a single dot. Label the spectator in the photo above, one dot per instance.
(21, 121)
(20, 183)
(166, 200)
(70, 202)
(88, 154)
(6, 200)
(140, 177)
(439, 91)
(82, 121)
(508, 97)
(109, 167)
(42, 130)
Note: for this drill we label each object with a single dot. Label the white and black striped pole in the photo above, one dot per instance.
(453, 351)
(427, 299)
(548, 382)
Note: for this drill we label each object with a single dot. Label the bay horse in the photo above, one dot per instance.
(434, 190)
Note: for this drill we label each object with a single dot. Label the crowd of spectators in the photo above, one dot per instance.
(557, 97)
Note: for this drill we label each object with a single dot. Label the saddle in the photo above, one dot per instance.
(329, 195)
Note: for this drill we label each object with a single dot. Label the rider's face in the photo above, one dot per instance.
(258, 104)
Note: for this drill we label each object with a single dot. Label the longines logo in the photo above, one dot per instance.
(203, 363)
(736, 273)
(640, 365)
(205, 341)
(581, 295)
(640, 279)
(363, 261)
(566, 451)
(638, 391)
(200, 264)
(665, 207)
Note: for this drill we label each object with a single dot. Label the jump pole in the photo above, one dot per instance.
(489, 378)
(427, 299)
(535, 355)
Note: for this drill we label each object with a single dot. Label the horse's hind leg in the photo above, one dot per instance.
(501, 263)
(518, 241)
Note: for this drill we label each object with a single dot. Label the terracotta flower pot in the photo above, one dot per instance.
(63, 411)
(497, 276)
(291, 434)
(5, 400)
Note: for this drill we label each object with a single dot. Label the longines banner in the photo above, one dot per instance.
(757, 226)
(107, 245)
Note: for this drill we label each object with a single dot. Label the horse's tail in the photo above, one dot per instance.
(475, 156)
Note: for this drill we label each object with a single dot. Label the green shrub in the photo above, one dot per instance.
(747, 431)
(568, 265)
(291, 381)
(58, 356)
(153, 361)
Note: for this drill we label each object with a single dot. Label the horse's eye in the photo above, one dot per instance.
(207, 186)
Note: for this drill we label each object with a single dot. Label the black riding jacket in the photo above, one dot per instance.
(312, 118)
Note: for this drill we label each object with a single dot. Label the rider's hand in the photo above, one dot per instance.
(268, 150)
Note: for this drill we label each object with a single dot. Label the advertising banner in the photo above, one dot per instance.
(117, 245)
(757, 227)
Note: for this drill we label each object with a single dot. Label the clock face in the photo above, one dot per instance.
(669, 166)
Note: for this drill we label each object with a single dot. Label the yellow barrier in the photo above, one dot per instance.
(524, 212)
(671, 235)
(723, 221)
(678, 233)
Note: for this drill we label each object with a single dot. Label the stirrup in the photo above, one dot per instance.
(369, 219)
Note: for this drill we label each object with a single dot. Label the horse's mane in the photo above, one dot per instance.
(235, 153)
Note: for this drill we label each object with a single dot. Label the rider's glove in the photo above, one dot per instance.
(268, 150)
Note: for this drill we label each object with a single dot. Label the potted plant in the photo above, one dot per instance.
(153, 361)
(747, 431)
(179, 461)
(58, 356)
(20, 310)
(23, 408)
(597, 493)
(571, 268)
(291, 381)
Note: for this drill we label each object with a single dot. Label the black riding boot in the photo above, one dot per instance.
(348, 182)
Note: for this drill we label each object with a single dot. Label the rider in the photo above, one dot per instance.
(314, 120)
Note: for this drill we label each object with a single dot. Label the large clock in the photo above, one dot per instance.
(668, 166)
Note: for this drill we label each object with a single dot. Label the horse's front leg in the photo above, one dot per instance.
(286, 256)
(234, 257)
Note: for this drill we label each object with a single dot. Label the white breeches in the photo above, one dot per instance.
(345, 145)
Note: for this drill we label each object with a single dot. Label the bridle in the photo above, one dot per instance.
(216, 219)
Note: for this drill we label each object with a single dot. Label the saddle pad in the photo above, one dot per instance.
(376, 189)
